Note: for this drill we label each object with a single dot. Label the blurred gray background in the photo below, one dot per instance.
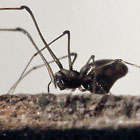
(104, 28)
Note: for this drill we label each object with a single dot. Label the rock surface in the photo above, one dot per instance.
(63, 116)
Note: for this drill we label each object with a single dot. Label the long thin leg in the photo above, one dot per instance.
(37, 67)
(94, 67)
(69, 57)
(41, 55)
(91, 58)
(64, 33)
(69, 53)
(120, 60)
(40, 34)
(127, 63)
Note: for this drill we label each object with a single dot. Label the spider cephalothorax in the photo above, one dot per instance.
(67, 79)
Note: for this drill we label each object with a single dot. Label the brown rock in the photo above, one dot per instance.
(64, 116)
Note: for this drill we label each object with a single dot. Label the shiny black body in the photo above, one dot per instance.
(107, 72)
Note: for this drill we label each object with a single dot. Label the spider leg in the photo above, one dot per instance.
(92, 57)
(34, 44)
(39, 32)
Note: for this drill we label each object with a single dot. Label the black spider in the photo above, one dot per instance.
(96, 76)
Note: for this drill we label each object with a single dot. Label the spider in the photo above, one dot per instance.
(95, 76)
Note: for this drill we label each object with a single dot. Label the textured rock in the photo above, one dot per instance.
(84, 116)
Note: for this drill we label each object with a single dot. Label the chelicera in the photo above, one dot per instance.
(95, 76)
